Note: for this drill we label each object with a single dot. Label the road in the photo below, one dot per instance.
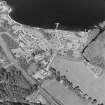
(48, 96)
(28, 77)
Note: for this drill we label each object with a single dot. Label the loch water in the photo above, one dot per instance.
(71, 14)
